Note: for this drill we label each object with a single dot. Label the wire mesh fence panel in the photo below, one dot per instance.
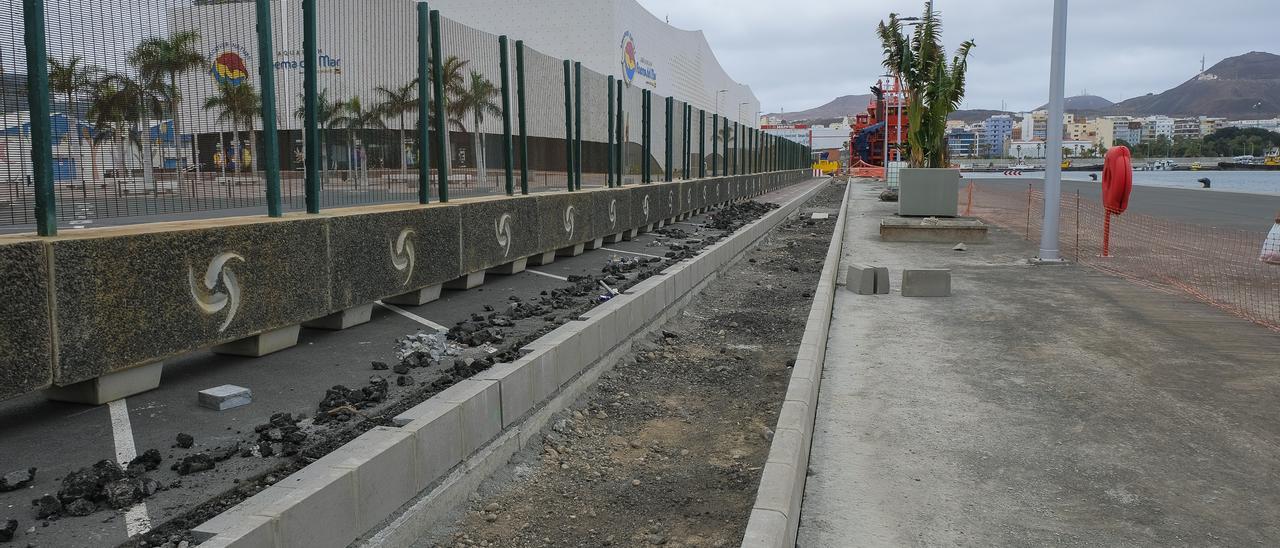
(544, 97)
(474, 108)
(1221, 267)
(595, 128)
(632, 132)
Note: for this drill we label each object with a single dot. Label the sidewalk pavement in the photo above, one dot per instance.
(1038, 405)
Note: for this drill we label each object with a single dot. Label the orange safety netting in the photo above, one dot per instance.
(1221, 267)
(863, 169)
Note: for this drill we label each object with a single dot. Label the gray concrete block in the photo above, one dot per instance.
(380, 251)
(466, 281)
(567, 218)
(860, 279)
(111, 386)
(612, 213)
(227, 396)
(926, 283)
(343, 319)
(542, 259)
(481, 403)
(499, 230)
(514, 267)
(766, 529)
(630, 234)
(776, 487)
(437, 432)
(259, 345)
(613, 238)
(545, 379)
(571, 251)
(515, 383)
(417, 297)
(594, 244)
(26, 331)
(232, 530)
(382, 461)
(319, 509)
(882, 280)
(928, 192)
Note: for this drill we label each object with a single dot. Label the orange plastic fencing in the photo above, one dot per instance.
(1221, 267)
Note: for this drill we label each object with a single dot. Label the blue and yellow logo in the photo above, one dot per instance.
(229, 65)
(629, 62)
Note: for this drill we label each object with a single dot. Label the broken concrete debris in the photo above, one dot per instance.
(17, 479)
(7, 528)
(103, 484)
(185, 440)
(192, 464)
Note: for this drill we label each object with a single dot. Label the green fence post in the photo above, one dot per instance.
(618, 127)
(310, 130)
(702, 144)
(688, 137)
(270, 142)
(609, 180)
(437, 91)
(724, 168)
(648, 136)
(524, 131)
(715, 143)
(568, 124)
(41, 130)
(507, 153)
(671, 136)
(424, 93)
(577, 122)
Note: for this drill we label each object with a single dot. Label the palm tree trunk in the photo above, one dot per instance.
(237, 154)
(148, 171)
(180, 164)
(404, 156)
(253, 150)
(479, 153)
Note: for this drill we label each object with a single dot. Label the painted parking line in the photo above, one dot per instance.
(412, 316)
(136, 519)
(632, 253)
(541, 273)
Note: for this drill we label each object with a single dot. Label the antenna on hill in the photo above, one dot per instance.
(1202, 63)
(668, 18)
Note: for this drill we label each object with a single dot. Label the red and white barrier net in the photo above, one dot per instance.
(1221, 267)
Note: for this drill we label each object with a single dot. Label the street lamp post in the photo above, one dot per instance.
(1053, 156)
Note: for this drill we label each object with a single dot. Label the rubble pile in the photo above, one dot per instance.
(105, 484)
(734, 215)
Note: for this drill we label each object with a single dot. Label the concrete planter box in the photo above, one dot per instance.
(928, 192)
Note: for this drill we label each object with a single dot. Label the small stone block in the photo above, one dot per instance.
(860, 279)
(613, 238)
(344, 319)
(227, 396)
(630, 234)
(514, 267)
(594, 244)
(417, 297)
(466, 281)
(882, 280)
(542, 259)
(926, 283)
(261, 344)
(110, 387)
(817, 216)
(571, 251)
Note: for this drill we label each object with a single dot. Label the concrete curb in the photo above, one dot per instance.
(441, 449)
(775, 517)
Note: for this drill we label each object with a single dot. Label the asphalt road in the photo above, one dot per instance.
(1213, 208)
(58, 437)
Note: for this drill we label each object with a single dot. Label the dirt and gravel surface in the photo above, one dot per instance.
(667, 448)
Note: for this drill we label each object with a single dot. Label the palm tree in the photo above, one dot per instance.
(327, 112)
(71, 78)
(478, 99)
(136, 101)
(157, 57)
(934, 86)
(354, 116)
(397, 103)
(111, 112)
(237, 105)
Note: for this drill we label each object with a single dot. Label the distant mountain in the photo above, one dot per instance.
(1242, 87)
(847, 105)
(1083, 103)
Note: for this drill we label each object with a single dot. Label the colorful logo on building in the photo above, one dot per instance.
(229, 65)
(629, 60)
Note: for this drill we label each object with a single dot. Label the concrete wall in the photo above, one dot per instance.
(124, 297)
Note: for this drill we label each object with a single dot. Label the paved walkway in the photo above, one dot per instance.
(1038, 406)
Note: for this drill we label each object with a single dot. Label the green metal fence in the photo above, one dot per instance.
(170, 109)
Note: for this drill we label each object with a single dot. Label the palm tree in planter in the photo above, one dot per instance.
(167, 58)
(934, 90)
(135, 101)
(397, 103)
(353, 116)
(479, 99)
(113, 115)
(237, 105)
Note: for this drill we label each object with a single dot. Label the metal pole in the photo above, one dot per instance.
(568, 124)
(612, 159)
(1053, 156)
(724, 158)
(621, 152)
(737, 148)
(688, 138)
(702, 144)
(577, 117)
(671, 126)
(310, 102)
(524, 132)
(715, 143)
(41, 132)
(437, 91)
(507, 153)
(271, 146)
(644, 136)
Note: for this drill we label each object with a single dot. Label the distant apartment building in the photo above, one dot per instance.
(1035, 149)
(1186, 128)
(996, 131)
(1269, 125)
(1209, 125)
(962, 143)
(1153, 127)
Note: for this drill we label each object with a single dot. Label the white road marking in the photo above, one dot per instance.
(541, 273)
(136, 519)
(412, 316)
(632, 253)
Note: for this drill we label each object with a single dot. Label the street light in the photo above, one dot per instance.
(718, 99)
(1053, 156)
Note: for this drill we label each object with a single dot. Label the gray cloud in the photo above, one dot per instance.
(802, 53)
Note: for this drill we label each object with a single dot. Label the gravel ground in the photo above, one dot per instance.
(667, 448)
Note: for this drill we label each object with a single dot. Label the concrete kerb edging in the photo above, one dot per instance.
(775, 517)
(483, 422)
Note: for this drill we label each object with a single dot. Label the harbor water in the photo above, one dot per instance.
(1254, 182)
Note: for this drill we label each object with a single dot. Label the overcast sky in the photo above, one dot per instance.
(799, 54)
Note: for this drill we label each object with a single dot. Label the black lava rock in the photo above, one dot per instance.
(17, 479)
(198, 462)
(185, 440)
(47, 506)
(7, 529)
